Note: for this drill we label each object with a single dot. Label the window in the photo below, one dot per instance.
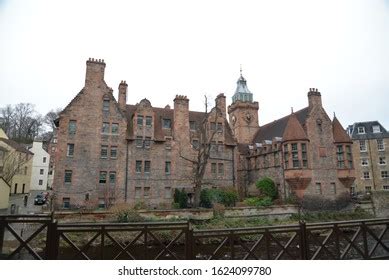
(213, 168)
(147, 166)
(384, 174)
(376, 129)
(139, 141)
(146, 191)
(70, 150)
(195, 144)
(303, 155)
(166, 123)
(72, 128)
(86, 196)
(68, 176)
(147, 142)
(101, 202)
(114, 152)
(368, 189)
(115, 128)
(333, 188)
(364, 162)
(220, 169)
(40, 183)
(219, 127)
(385, 188)
(362, 145)
(149, 121)
(295, 157)
(380, 145)
(44, 159)
(361, 130)
(138, 166)
(382, 161)
(138, 192)
(139, 120)
(318, 188)
(213, 126)
(366, 175)
(41, 171)
(168, 192)
(340, 156)
(105, 128)
(104, 151)
(213, 146)
(168, 144)
(220, 147)
(167, 167)
(349, 156)
(352, 190)
(192, 125)
(112, 177)
(103, 177)
(66, 202)
(106, 105)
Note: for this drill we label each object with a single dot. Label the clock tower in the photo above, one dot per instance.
(243, 112)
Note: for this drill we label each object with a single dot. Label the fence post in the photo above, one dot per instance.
(303, 241)
(365, 245)
(189, 243)
(2, 230)
(52, 240)
(231, 238)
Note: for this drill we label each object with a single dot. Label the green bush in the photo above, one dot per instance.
(128, 216)
(208, 197)
(267, 187)
(258, 201)
(181, 198)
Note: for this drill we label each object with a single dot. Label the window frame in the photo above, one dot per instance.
(70, 150)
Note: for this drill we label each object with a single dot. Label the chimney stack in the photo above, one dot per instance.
(181, 119)
(220, 104)
(314, 98)
(94, 71)
(122, 95)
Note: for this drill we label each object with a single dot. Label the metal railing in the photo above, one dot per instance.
(42, 237)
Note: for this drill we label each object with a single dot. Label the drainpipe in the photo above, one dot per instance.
(371, 163)
(126, 179)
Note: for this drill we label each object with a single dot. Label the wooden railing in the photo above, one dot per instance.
(42, 237)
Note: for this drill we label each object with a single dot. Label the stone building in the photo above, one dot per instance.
(371, 153)
(111, 152)
(305, 153)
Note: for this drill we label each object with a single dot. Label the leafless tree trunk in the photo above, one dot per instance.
(200, 159)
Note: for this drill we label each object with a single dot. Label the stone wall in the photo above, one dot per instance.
(381, 203)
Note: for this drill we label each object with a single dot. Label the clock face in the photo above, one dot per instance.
(233, 119)
(248, 117)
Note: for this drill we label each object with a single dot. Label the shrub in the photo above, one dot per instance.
(127, 215)
(258, 201)
(181, 198)
(267, 187)
(208, 197)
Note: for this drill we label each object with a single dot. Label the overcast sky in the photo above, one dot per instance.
(164, 48)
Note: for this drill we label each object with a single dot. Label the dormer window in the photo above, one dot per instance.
(376, 129)
(106, 104)
(361, 130)
(167, 123)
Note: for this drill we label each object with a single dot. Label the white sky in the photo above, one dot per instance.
(164, 48)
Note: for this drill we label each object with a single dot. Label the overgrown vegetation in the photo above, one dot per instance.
(180, 199)
(209, 197)
(125, 214)
(268, 194)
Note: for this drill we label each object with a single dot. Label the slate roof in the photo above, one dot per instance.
(353, 131)
(18, 147)
(293, 130)
(277, 127)
(340, 135)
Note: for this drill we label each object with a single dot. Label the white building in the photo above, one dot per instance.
(40, 167)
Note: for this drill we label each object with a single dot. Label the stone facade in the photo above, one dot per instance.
(371, 155)
(305, 153)
(110, 152)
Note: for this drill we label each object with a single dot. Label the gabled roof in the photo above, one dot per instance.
(293, 130)
(340, 135)
(18, 147)
(277, 127)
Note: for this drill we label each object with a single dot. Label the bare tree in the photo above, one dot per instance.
(199, 159)
(7, 115)
(50, 117)
(12, 163)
